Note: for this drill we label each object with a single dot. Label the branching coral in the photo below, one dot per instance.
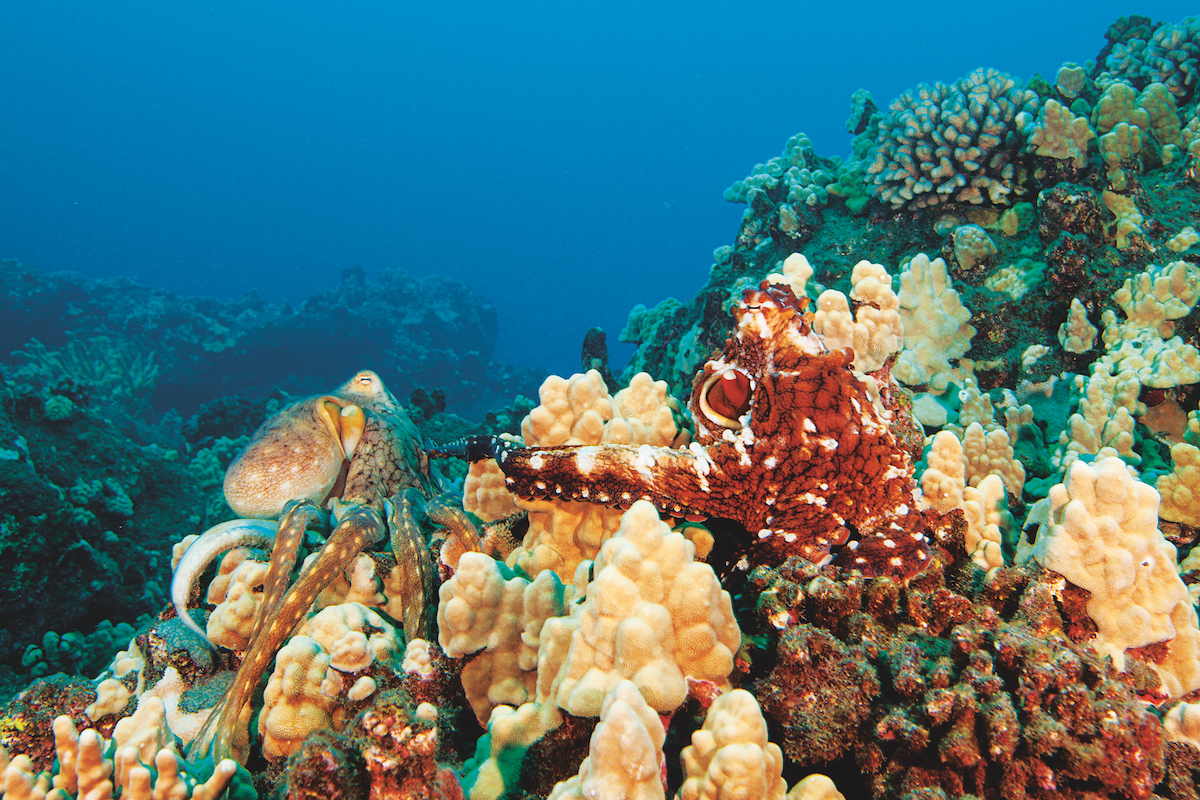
(951, 143)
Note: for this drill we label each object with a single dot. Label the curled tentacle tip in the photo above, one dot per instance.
(211, 544)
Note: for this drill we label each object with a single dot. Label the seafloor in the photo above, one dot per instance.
(927, 441)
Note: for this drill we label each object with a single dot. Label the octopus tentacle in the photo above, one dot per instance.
(413, 562)
(473, 448)
(360, 528)
(298, 515)
(211, 544)
(456, 522)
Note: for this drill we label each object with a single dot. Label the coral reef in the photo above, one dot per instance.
(178, 351)
(942, 424)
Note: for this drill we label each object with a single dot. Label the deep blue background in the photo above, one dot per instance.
(565, 159)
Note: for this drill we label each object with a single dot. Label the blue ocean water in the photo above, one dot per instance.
(565, 160)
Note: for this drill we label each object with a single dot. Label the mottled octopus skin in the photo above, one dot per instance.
(808, 461)
(356, 443)
(384, 459)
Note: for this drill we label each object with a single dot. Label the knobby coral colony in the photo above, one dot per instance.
(789, 442)
(893, 636)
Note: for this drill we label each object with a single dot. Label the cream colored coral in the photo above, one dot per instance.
(972, 247)
(1102, 535)
(1180, 489)
(85, 772)
(309, 681)
(1070, 80)
(975, 406)
(1010, 280)
(1059, 134)
(1182, 724)
(1105, 418)
(1119, 147)
(1164, 123)
(580, 411)
(730, 756)
(1077, 334)
(1127, 220)
(874, 331)
(797, 272)
(981, 505)
(1151, 300)
(936, 327)
(358, 583)
(624, 755)
(651, 615)
(237, 592)
(484, 607)
(1157, 295)
(1032, 355)
(353, 635)
(1014, 417)
(815, 787)
(1119, 104)
(299, 699)
(485, 494)
(1183, 240)
(1156, 362)
(944, 478)
(990, 453)
(418, 659)
(111, 698)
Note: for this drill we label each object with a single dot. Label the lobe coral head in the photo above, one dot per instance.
(303, 451)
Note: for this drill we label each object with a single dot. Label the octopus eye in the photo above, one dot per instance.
(725, 397)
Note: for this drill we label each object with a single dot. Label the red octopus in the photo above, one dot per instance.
(789, 443)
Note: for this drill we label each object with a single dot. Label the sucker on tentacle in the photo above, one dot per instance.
(259, 533)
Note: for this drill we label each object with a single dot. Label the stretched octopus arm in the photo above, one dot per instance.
(211, 544)
(678, 482)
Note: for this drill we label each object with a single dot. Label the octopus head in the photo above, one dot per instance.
(303, 451)
(772, 334)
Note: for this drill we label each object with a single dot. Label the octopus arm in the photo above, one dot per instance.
(678, 482)
(211, 544)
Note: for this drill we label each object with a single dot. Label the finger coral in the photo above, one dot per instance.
(951, 143)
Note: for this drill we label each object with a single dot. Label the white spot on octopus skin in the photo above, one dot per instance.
(896, 562)
(765, 533)
(585, 460)
(789, 537)
(771, 462)
(809, 426)
(537, 462)
(643, 462)
(889, 543)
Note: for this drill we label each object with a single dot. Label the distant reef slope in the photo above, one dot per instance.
(416, 332)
